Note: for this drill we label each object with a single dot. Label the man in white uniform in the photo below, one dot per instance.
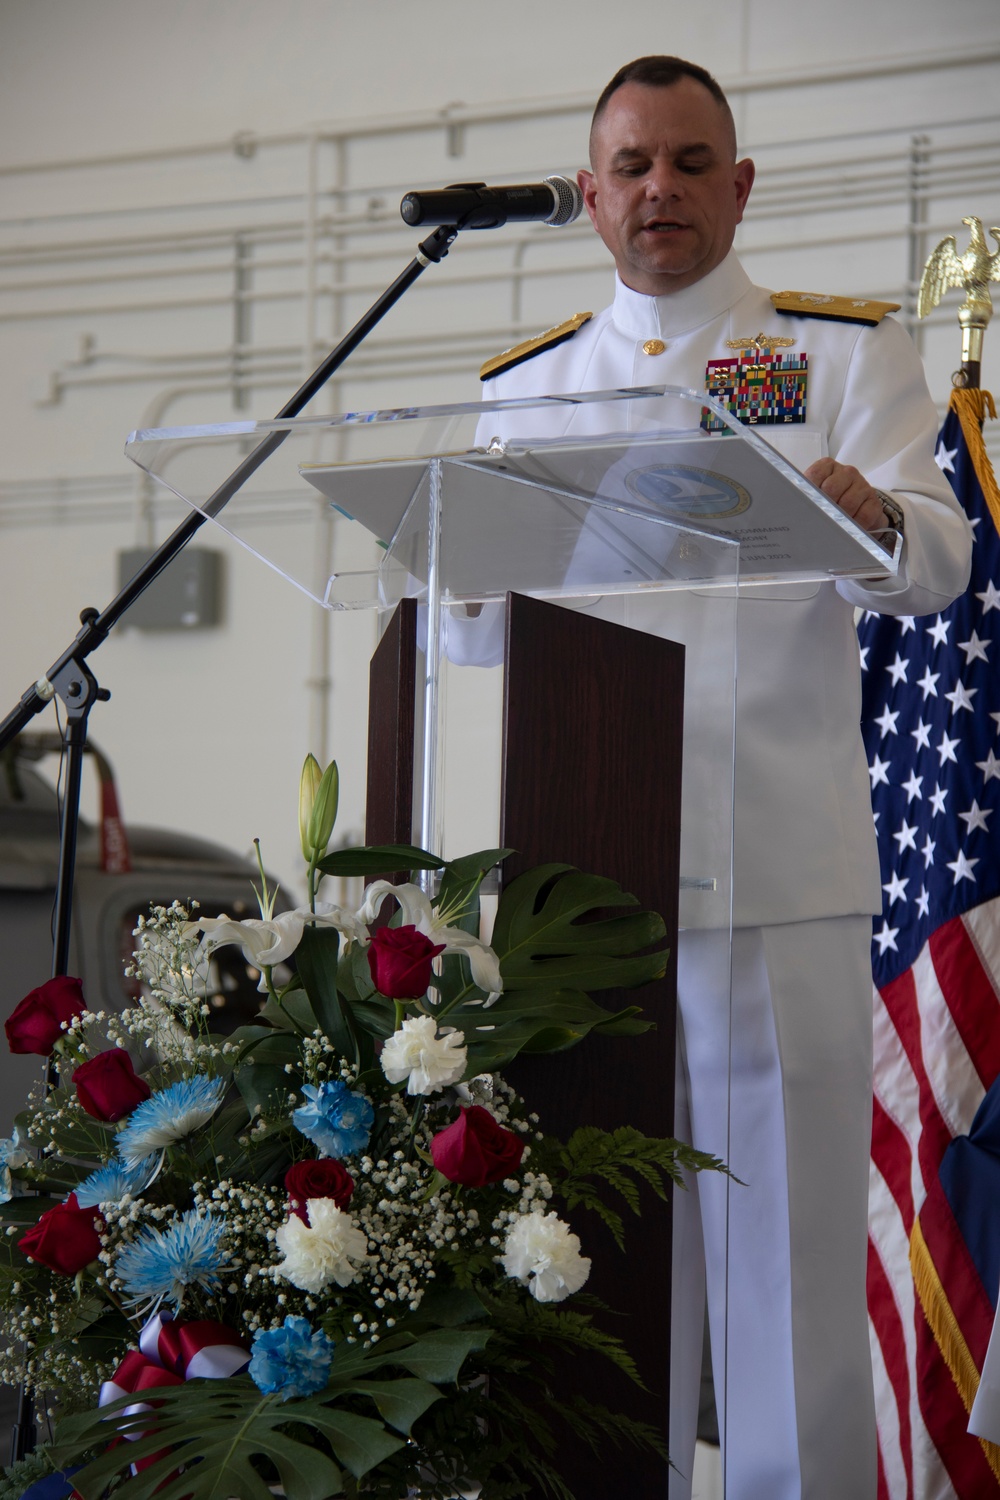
(665, 193)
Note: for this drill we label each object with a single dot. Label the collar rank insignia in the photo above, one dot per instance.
(759, 386)
(547, 340)
(841, 309)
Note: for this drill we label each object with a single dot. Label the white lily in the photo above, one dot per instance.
(418, 912)
(266, 941)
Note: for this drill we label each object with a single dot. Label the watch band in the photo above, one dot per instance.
(894, 513)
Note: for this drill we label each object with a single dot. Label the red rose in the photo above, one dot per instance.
(476, 1150)
(35, 1025)
(107, 1086)
(65, 1238)
(317, 1179)
(400, 961)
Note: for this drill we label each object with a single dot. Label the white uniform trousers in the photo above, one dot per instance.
(785, 1255)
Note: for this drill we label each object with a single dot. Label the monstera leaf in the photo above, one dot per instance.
(560, 934)
(214, 1439)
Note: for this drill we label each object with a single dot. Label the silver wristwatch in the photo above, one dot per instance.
(892, 511)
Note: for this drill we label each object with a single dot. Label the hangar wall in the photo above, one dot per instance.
(196, 200)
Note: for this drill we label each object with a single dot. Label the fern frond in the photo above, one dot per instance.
(593, 1160)
(557, 1327)
(597, 1426)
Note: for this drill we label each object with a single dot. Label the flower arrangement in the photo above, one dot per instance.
(326, 1239)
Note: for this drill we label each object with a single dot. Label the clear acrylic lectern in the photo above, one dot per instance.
(639, 529)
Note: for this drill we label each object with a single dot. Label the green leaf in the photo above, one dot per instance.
(249, 1038)
(458, 894)
(219, 1430)
(293, 1014)
(271, 1046)
(400, 1402)
(438, 1356)
(263, 1086)
(317, 960)
(546, 933)
(468, 866)
(71, 1132)
(376, 859)
(531, 1021)
(448, 1307)
(556, 943)
(26, 1210)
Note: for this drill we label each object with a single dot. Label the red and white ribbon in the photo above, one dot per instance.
(171, 1352)
(203, 1349)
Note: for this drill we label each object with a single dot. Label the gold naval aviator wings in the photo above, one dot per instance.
(841, 309)
(547, 340)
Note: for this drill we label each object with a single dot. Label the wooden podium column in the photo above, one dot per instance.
(591, 777)
(392, 687)
(592, 771)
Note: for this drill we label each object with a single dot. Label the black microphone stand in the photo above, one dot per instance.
(70, 679)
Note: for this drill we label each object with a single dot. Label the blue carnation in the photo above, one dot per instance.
(292, 1360)
(338, 1121)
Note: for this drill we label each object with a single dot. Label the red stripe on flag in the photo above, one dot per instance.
(892, 1156)
(970, 995)
(900, 1000)
(889, 1328)
(957, 1273)
(946, 1420)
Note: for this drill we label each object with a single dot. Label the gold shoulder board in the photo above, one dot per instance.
(530, 347)
(842, 309)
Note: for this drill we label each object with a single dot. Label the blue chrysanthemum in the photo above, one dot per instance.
(169, 1115)
(336, 1120)
(292, 1360)
(110, 1183)
(12, 1154)
(162, 1263)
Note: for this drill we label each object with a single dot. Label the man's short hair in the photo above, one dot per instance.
(660, 72)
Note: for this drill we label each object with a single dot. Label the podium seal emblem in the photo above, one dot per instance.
(689, 493)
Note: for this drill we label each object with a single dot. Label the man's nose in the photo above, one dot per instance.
(664, 182)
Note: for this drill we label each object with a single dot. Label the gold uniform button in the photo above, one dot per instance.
(653, 346)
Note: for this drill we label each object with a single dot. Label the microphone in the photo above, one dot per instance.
(473, 205)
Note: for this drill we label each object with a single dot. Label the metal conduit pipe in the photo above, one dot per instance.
(247, 142)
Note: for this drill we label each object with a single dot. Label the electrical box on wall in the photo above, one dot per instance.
(187, 595)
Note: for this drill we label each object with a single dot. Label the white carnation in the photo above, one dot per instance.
(427, 1061)
(543, 1252)
(323, 1250)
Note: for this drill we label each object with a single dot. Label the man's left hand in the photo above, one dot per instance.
(850, 490)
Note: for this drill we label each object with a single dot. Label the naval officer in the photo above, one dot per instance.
(785, 1261)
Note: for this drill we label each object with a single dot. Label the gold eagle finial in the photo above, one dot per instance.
(972, 271)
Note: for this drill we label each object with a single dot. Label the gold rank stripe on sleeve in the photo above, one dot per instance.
(530, 347)
(842, 309)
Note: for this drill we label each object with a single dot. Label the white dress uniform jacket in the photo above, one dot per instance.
(798, 743)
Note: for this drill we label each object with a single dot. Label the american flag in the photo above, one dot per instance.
(931, 724)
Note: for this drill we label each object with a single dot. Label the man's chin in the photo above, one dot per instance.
(657, 276)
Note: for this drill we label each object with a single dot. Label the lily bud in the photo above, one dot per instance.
(309, 783)
(324, 811)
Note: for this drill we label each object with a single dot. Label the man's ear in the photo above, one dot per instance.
(587, 184)
(745, 173)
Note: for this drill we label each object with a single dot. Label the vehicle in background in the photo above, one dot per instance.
(119, 875)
